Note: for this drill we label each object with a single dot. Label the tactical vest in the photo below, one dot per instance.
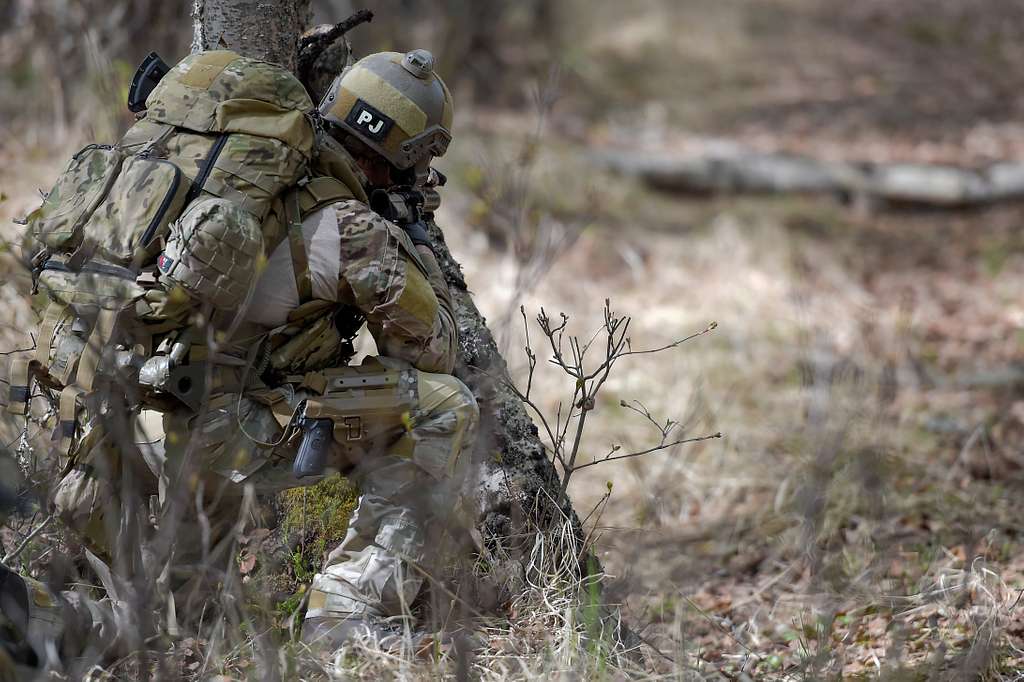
(222, 138)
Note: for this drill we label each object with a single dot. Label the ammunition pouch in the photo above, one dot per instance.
(318, 335)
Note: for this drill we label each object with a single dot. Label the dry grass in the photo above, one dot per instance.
(860, 517)
(832, 371)
(555, 627)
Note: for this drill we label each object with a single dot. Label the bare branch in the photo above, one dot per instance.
(531, 357)
(669, 426)
(711, 327)
(17, 350)
(588, 384)
(657, 448)
(600, 503)
(28, 538)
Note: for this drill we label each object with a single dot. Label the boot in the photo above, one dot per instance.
(335, 633)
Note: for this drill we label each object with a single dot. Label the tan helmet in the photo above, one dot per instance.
(396, 105)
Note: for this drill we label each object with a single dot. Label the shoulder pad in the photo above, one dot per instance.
(320, 192)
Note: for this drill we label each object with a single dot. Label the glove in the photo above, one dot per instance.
(418, 233)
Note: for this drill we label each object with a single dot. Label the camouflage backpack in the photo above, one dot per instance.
(136, 236)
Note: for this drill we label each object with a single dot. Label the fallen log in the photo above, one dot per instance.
(732, 169)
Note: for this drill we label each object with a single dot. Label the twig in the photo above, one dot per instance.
(531, 357)
(663, 446)
(314, 45)
(604, 499)
(593, 531)
(670, 424)
(656, 650)
(718, 625)
(31, 536)
(17, 350)
(711, 327)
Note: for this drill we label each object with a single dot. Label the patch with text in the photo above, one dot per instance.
(374, 124)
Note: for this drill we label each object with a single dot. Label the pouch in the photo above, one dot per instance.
(147, 195)
(79, 190)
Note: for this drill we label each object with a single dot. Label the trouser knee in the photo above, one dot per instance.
(464, 406)
(443, 426)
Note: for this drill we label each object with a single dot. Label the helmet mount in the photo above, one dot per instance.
(419, 63)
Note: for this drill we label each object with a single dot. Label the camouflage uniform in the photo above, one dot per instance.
(402, 424)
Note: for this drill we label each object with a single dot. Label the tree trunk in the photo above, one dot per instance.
(513, 467)
(515, 473)
(264, 29)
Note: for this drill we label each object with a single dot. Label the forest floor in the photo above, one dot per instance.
(868, 366)
(866, 374)
(858, 516)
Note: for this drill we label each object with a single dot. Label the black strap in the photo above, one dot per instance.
(204, 172)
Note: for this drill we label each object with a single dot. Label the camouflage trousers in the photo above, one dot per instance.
(410, 471)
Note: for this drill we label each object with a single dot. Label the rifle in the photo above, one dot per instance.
(408, 204)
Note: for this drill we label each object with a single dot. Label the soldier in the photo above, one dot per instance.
(392, 114)
(399, 425)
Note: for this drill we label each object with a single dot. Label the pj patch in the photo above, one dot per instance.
(369, 120)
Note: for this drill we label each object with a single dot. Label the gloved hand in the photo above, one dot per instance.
(417, 232)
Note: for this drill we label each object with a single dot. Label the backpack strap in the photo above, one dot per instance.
(51, 316)
(67, 418)
(19, 382)
(297, 244)
(320, 192)
(296, 205)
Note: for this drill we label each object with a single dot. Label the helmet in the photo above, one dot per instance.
(396, 105)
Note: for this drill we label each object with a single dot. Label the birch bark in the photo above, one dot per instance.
(265, 29)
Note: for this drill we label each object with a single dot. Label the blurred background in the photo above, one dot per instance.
(861, 513)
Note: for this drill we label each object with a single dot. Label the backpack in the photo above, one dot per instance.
(221, 139)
